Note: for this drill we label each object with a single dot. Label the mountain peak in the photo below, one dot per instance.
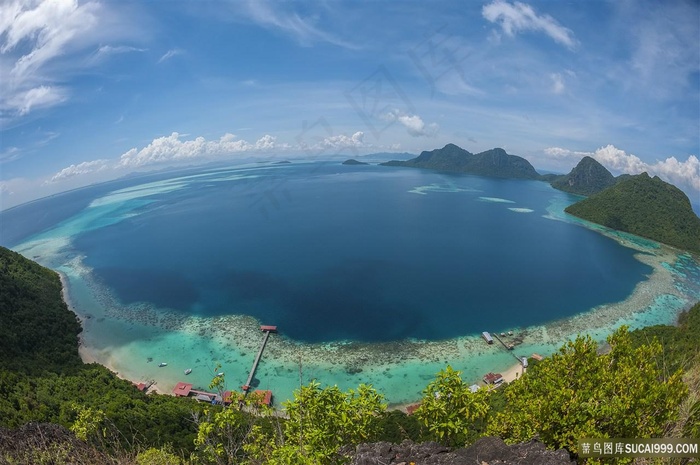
(588, 177)
(495, 163)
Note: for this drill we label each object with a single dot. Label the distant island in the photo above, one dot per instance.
(494, 163)
(587, 178)
(352, 161)
(638, 204)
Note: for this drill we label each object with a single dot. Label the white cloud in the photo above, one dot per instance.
(106, 51)
(558, 86)
(335, 143)
(684, 174)
(290, 22)
(170, 53)
(47, 27)
(10, 154)
(516, 17)
(172, 149)
(85, 167)
(414, 124)
(39, 97)
(40, 47)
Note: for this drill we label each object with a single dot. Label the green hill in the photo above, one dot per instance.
(647, 207)
(587, 178)
(495, 163)
(37, 330)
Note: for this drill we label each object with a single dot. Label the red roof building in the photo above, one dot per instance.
(412, 408)
(272, 329)
(493, 378)
(265, 396)
(182, 389)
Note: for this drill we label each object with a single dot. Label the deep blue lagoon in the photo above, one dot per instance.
(330, 252)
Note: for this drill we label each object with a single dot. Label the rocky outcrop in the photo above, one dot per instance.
(485, 451)
(47, 443)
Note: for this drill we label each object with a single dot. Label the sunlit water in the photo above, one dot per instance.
(372, 274)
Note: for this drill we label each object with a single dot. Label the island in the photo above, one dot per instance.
(644, 206)
(587, 178)
(493, 163)
(637, 204)
(352, 161)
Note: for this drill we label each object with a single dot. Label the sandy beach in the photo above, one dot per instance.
(132, 340)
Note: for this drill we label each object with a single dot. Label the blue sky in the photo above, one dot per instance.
(94, 90)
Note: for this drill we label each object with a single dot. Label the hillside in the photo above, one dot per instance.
(647, 207)
(587, 178)
(38, 332)
(494, 163)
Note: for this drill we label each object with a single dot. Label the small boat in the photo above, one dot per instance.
(163, 364)
(220, 373)
(188, 371)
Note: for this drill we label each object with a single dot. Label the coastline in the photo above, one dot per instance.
(329, 362)
(89, 355)
(127, 338)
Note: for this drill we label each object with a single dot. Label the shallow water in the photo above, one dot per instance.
(373, 274)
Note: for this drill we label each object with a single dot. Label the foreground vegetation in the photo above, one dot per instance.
(647, 384)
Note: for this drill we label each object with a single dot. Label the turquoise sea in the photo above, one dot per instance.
(372, 274)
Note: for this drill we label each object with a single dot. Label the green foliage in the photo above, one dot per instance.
(320, 422)
(395, 426)
(577, 393)
(222, 434)
(38, 332)
(495, 163)
(647, 207)
(88, 423)
(161, 456)
(449, 409)
(680, 344)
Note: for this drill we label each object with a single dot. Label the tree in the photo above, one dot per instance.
(578, 394)
(319, 422)
(449, 409)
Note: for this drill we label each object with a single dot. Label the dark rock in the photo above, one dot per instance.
(489, 450)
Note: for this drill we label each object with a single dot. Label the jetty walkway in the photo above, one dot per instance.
(267, 330)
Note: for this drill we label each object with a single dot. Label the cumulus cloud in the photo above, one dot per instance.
(414, 124)
(684, 174)
(171, 149)
(516, 17)
(85, 167)
(335, 143)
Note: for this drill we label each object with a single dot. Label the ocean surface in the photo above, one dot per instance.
(345, 260)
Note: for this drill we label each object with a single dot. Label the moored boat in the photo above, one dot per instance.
(163, 364)
(188, 371)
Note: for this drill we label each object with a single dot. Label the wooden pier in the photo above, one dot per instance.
(267, 330)
(508, 347)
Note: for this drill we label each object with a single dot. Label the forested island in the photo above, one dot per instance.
(640, 205)
(495, 163)
(647, 207)
(54, 409)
